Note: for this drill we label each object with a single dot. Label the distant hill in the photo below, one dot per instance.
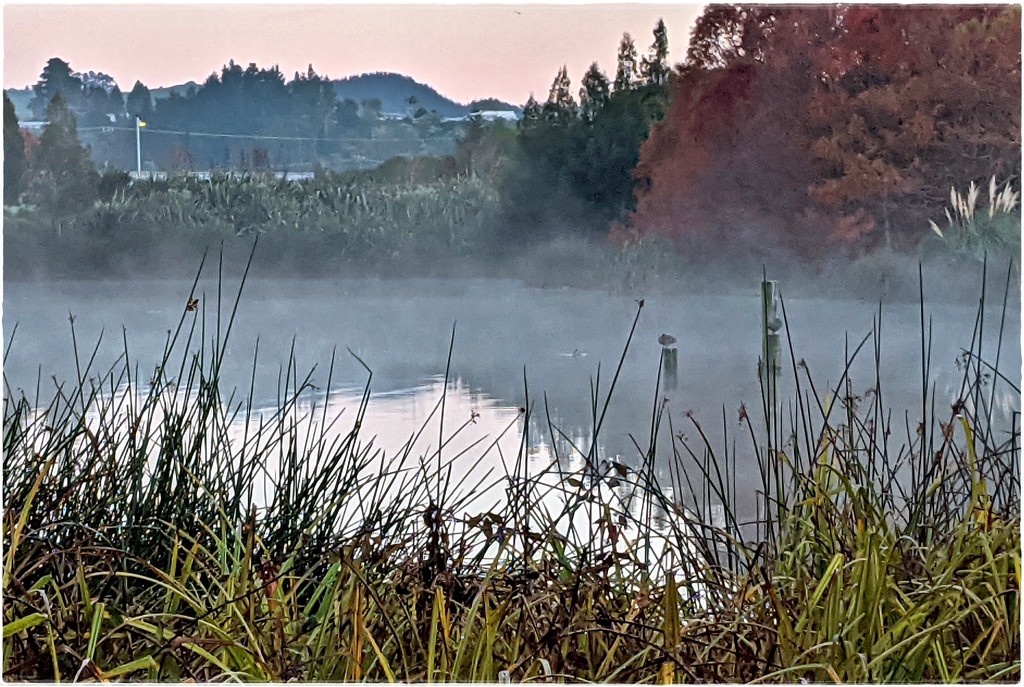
(160, 93)
(492, 104)
(20, 98)
(394, 92)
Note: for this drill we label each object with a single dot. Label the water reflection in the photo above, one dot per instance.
(476, 455)
(480, 444)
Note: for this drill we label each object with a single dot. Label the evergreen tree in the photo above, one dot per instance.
(312, 104)
(14, 154)
(56, 79)
(97, 80)
(94, 105)
(115, 102)
(655, 67)
(232, 77)
(531, 112)
(265, 96)
(583, 168)
(139, 103)
(601, 166)
(594, 92)
(560, 107)
(626, 71)
(64, 179)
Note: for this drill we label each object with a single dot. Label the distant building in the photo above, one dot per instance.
(497, 115)
(487, 116)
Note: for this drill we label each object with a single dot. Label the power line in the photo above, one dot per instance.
(258, 137)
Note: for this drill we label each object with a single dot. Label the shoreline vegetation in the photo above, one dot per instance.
(136, 548)
(803, 135)
(360, 225)
(379, 225)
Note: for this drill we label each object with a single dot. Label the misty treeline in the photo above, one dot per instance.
(808, 130)
(85, 223)
(474, 201)
(248, 118)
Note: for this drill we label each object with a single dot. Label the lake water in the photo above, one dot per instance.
(514, 345)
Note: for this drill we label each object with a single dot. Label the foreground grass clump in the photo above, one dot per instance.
(138, 544)
(971, 231)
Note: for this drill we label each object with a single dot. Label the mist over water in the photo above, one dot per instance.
(515, 344)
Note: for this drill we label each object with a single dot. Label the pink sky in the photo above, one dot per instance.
(464, 51)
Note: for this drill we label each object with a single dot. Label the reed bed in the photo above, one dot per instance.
(361, 217)
(137, 546)
(322, 223)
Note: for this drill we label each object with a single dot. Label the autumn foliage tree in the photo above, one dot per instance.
(725, 162)
(911, 103)
(831, 125)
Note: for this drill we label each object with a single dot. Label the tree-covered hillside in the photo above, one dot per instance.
(397, 94)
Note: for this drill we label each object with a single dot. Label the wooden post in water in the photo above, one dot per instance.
(771, 341)
(670, 365)
(769, 367)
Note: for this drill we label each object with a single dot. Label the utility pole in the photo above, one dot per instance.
(138, 146)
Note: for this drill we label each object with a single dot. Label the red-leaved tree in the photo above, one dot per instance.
(819, 126)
